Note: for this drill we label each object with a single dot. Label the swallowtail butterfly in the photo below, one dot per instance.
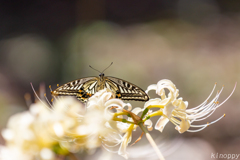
(86, 87)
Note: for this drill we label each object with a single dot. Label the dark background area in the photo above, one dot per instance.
(53, 18)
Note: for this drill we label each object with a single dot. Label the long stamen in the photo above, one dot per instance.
(174, 122)
(197, 129)
(204, 125)
(229, 95)
(39, 98)
(206, 99)
(214, 105)
(48, 101)
(205, 107)
(200, 119)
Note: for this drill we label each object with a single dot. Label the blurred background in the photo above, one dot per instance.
(192, 43)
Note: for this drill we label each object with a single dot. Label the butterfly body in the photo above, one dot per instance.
(86, 87)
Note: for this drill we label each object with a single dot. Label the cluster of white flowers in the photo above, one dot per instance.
(26, 135)
(67, 125)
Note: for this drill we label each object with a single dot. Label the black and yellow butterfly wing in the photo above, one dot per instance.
(86, 87)
(125, 90)
(81, 88)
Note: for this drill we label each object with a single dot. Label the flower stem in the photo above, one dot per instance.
(144, 129)
(122, 120)
(151, 141)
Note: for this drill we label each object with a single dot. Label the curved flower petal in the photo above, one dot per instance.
(155, 101)
(151, 87)
(168, 110)
(137, 110)
(104, 98)
(184, 126)
(126, 139)
(161, 85)
(148, 123)
(116, 102)
(161, 123)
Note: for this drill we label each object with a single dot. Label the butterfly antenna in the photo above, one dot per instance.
(107, 67)
(94, 69)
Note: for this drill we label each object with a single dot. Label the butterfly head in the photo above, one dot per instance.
(101, 75)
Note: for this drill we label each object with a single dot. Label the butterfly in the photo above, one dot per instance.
(84, 88)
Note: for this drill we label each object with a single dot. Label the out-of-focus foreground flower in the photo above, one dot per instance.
(67, 126)
(26, 134)
(63, 127)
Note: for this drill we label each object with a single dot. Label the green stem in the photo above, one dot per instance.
(144, 129)
(122, 120)
(144, 112)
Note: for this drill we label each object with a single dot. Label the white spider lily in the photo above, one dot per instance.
(175, 109)
(122, 126)
(103, 100)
